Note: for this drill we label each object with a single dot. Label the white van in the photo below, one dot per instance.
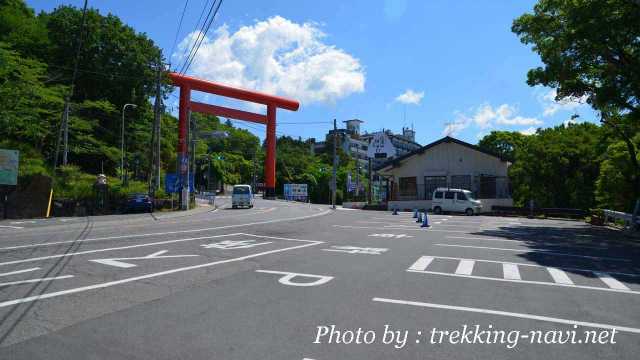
(455, 200)
(242, 196)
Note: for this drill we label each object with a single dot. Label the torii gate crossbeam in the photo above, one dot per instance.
(187, 84)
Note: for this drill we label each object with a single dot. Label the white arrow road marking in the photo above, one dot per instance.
(121, 264)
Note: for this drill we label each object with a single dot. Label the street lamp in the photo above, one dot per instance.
(122, 141)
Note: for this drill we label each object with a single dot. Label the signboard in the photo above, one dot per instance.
(295, 192)
(172, 183)
(9, 160)
(381, 147)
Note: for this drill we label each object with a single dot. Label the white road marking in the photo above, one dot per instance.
(111, 249)
(165, 233)
(548, 252)
(465, 267)
(234, 244)
(610, 281)
(35, 280)
(510, 314)
(525, 281)
(288, 276)
(121, 264)
(398, 236)
(11, 227)
(23, 222)
(19, 271)
(357, 250)
(559, 276)
(511, 272)
(417, 228)
(422, 263)
(153, 275)
(522, 242)
(533, 265)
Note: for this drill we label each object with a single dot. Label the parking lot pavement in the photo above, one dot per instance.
(304, 288)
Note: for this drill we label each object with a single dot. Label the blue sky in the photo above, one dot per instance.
(452, 67)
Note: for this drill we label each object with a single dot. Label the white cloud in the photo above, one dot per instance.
(277, 56)
(529, 131)
(551, 106)
(410, 97)
(486, 116)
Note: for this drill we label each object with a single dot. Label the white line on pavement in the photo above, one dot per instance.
(148, 276)
(11, 227)
(510, 314)
(610, 281)
(533, 265)
(548, 252)
(165, 233)
(559, 276)
(19, 271)
(465, 267)
(511, 272)
(523, 242)
(422, 263)
(525, 281)
(417, 228)
(35, 280)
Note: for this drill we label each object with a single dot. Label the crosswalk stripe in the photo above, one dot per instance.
(465, 267)
(559, 276)
(511, 271)
(422, 263)
(610, 281)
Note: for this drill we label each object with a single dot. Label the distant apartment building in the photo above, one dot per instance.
(380, 146)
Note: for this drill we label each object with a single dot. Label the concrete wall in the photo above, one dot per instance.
(426, 204)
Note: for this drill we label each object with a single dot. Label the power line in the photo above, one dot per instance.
(175, 40)
(201, 36)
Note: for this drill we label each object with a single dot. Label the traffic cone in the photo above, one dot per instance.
(415, 213)
(395, 211)
(419, 217)
(425, 221)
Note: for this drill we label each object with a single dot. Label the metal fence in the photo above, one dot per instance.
(627, 219)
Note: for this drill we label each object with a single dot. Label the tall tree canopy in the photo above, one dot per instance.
(590, 50)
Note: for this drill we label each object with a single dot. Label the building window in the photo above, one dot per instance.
(431, 183)
(487, 189)
(461, 182)
(408, 186)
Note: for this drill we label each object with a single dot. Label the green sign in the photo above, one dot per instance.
(9, 167)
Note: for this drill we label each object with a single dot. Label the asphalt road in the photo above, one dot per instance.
(299, 281)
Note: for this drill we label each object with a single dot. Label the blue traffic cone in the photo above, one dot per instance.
(425, 221)
(419, 217)
(395, 211)
(415, 213)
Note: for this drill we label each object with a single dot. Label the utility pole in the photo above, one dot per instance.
(193, 139)
(65, 135)
(156, 130)
(370, 182)
(335, 165)
(124, 107)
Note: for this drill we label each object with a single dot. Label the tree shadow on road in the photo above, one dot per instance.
(573, 248)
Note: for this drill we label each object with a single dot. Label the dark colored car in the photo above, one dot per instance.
(138, 203)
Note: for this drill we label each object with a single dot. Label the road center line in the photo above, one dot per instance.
(147, 276)
(509, 314)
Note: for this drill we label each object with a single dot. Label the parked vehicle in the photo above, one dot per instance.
(242, 196)
(455, 200)
(138, 203)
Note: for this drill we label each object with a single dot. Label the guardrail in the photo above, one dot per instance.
(612, 216)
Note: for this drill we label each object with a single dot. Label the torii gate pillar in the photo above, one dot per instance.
(187, 84)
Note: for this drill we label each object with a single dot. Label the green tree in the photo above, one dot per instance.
(557, 167)
(590, 50)
(503, 143)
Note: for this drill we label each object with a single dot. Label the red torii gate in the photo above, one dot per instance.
(187, 84)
